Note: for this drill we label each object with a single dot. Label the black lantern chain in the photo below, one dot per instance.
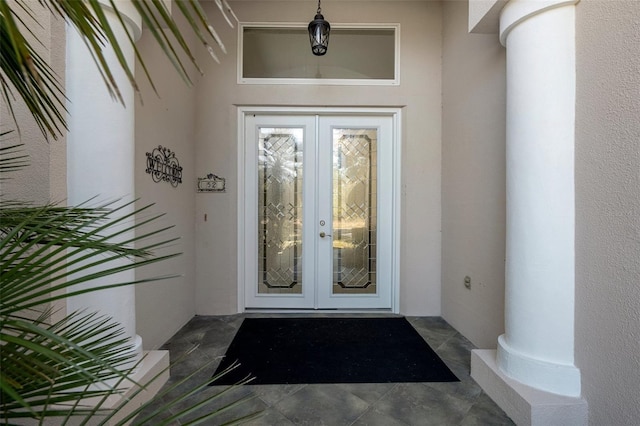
(319, 33)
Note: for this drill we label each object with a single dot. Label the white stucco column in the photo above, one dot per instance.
(100, 153)
(537, 347)
(532, 375)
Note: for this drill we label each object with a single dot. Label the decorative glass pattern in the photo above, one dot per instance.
(354, 210)
(280, 210)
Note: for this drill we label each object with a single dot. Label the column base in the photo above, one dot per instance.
(523, 404)
(153, 364)
(563, 379)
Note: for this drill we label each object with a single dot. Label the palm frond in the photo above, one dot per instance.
(33, 80)
(70, 368)
(174, 397)
(46, 254)
(47, 365)
(25, 75)
(47, 249)
(12, 158)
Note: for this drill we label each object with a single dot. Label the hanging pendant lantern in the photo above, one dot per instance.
(319, 33)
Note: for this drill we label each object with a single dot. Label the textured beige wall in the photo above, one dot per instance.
(473, 178)
(608, 209)
(419, 93)
(58, 149)
(166, 119)
(44, 180)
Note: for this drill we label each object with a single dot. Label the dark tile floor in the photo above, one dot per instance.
(385, 404)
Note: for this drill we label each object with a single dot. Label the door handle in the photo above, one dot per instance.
(322, 235)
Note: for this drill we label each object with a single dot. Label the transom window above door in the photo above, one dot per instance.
(357, 55)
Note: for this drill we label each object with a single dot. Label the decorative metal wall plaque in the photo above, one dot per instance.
(163, 165)
(211, 183)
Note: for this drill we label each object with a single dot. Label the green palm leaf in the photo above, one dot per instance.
(11, 157)
(69, 367)
(25, 75)
(46, 365)
(50, 364)
(49, 369)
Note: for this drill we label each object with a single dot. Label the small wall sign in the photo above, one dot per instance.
(163, 165)
(211, 183)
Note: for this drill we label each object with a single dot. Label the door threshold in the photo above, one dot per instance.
(316, 311)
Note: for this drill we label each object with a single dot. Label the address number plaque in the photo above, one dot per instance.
(211, 183)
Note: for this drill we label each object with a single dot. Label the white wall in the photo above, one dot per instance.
(419, 93)
(166, 119)
(473, 178)
(608, 209)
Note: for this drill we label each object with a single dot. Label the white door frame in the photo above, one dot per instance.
(394, 113)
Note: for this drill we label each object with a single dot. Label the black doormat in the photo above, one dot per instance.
(331, 350)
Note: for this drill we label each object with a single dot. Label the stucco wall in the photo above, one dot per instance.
(166, 119)
(44, 180)
(608, 209)
(473, 178)
(419, 94)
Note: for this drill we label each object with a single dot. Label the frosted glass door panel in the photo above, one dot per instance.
(354, 211)
(280, 173)
(356, 200)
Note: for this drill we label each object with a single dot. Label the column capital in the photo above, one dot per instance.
(129, 15)
(484, 16)
(517, 11)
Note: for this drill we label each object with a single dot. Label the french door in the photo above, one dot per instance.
(318, 212)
